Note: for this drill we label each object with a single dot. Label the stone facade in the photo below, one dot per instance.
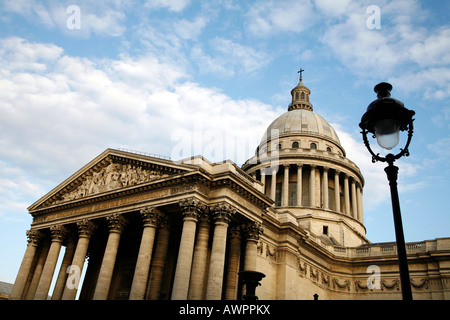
(144, 227)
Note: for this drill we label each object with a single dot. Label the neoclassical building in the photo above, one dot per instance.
(141, 227)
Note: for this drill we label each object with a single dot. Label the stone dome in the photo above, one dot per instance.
(300, 121)
(300, 128)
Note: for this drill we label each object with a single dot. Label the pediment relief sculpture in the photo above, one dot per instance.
(113, 176)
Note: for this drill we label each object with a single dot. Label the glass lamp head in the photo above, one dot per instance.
(386, 117)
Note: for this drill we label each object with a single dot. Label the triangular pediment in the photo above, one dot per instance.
(112, 170)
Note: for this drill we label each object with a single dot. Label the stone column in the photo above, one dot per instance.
(299, 184)
(285, 189)
(325, 188)
(263, 176)
(252, 232)
(337, 192)
(198, 272)
(139, 284)
(360, 204)
(85, 231)
(57, 234)
(159, 259)
(222, 214)
(354, 203)
(312, 186)
(62, 276)
(184, 263)
(231, 287)
(273, 185)
(346, 195)
(116, 224)
(45, 246)
(34, 237)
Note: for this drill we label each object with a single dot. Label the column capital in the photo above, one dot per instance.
(191, 207)
(150, 216)
(116, 222)
(204, 217)
(234, 232)
(299, 165)
(34, 236)
(324, 168)
(58, 232)
(252, 230)
(86, 227)
(163, 221)
(222, 212)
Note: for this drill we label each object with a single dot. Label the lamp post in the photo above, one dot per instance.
(385, 118)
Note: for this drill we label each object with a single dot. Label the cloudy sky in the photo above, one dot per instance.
(181, 77)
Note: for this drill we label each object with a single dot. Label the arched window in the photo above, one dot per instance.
(296, 96)
(303, 95)
(313, 146)
(279, 146)
(295, 145)
(328, 149)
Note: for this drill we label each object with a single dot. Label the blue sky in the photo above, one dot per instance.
(156, 75)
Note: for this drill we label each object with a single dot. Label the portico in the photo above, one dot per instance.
(146, 249)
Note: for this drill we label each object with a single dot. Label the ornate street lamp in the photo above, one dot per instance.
(385, 118)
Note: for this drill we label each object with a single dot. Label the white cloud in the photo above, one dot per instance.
(30, 9)
(171, 5)
(411, 56)
(228, 58)
(333, 7)
(271, 17)
(107, 23)
(190, 30)
(101, 18)
(208, 64)
(17, 54)
(432, 49)
(56, 119)
(433, 83)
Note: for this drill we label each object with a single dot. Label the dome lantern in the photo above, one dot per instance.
(300, 96)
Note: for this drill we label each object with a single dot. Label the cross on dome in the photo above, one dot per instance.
(300, 71)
